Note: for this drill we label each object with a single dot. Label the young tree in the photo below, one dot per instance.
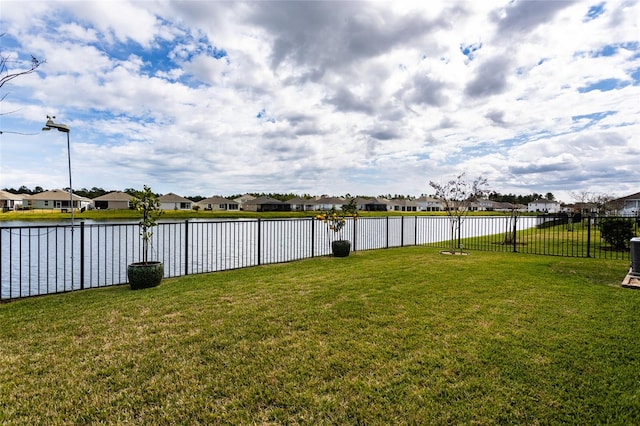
(456, 196)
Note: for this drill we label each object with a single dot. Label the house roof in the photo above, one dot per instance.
(300, 200)
(424, 199)
(403, 202)
(543, 201)
(217, 200)
(264, 200)
(5, 195)
(114, 196)
(376, 201)
(336, 201)
(55, 195)
(635, 196)
(173, 198)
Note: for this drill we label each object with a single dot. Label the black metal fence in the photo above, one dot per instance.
(38, 260)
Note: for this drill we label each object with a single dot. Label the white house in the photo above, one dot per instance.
(629, 205)
(326, 203)
(428, 204)
(544, 206)
(403, 205)
(172, 201)
(10, 201)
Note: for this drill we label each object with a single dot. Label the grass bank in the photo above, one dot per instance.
(399, 336)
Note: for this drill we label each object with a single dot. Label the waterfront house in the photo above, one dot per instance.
(266, 204)
(172, 201)
(403, 205)
(299, 204)
(115, 200)
(10, 201)
(428, 204)
(543, 205)
(243, 199)
(218, 204)
(56, 199)
(372, 204)
(629, 205)
(327, 203)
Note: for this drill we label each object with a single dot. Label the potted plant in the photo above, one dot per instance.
(146, 273)
(335, 221)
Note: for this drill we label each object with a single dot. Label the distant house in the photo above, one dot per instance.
(428, 204)
(509, 207)
(56, 199)
(629, 205)
(172, 201)
(115, 200)
(300, 204)
(543, 205)
(10, 201)
(218, 204)
(372, 204)
(243, 199)
(266, 204)
(483, 205)
(403, 205)
(327, 203)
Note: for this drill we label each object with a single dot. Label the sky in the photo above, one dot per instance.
(323, 97)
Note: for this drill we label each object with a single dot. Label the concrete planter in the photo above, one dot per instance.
(145, 274)
(341, 248)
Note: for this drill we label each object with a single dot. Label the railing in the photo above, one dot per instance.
(37, 260)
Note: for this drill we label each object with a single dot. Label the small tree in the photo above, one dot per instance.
(336, 219)
(147, 204)
(456, 196)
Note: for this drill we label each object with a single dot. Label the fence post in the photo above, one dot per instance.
(589, 236)
(355, 221)
(313, 237)
(186, 247)
(401, 231)
(515, 228)
(387, 225)
(259, 243)
(82, 255)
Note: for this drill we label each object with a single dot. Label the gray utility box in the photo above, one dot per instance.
(634, 244)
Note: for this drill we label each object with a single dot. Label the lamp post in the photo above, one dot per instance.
(65, 129)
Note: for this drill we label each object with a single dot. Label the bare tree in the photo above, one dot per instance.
(594, 202)
(457, 196)
(6, 75)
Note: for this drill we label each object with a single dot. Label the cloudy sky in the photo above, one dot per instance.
(324, 97)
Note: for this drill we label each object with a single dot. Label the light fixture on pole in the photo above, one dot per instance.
(65, 129)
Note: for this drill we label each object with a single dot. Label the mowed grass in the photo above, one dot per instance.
(398, 336)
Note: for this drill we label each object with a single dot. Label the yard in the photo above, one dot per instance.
(398, 336)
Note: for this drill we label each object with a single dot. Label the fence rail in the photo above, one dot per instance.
(38, 260)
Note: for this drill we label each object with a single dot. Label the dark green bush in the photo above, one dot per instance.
(616, 231)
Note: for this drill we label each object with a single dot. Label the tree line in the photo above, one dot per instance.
(97, 192)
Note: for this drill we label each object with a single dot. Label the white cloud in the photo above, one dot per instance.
(322, 97)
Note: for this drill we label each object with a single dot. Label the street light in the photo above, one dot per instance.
(65, 129)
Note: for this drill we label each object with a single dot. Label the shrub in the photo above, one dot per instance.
(617, 231)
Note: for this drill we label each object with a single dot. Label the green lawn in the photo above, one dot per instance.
(398, 336)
